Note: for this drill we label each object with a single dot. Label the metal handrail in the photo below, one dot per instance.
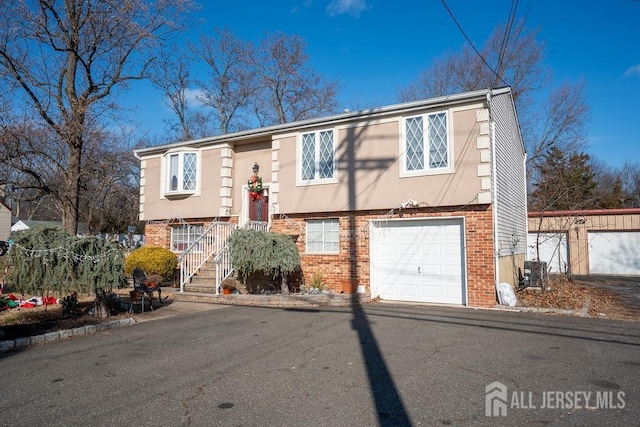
(222, 260)
(212, 240)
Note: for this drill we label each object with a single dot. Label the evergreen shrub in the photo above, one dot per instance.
(252, 251)
(47, 259)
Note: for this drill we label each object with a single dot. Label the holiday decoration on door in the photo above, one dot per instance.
(255, 184)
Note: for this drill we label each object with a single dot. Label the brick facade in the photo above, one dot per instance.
(158, 233)
(352, 263)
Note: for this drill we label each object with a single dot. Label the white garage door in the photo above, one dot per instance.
(550, 248)
(614, 252)
(421, 260)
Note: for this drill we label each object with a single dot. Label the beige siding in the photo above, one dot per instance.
(204, 204)
(368, 171)
(244, 158)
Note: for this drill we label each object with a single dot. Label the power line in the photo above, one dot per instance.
(471, 43)
(507, 34)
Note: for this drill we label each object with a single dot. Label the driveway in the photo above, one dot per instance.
(626, 286)
(376, 364)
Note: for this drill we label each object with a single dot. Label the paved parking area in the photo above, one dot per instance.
(375, 364)
(626, 286)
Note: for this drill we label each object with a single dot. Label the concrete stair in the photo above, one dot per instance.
(204, 281)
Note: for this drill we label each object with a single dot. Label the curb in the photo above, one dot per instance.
(22, 343)
(276, 300)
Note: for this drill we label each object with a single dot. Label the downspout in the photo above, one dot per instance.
(494, 196)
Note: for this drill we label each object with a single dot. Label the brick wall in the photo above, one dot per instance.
(352, 263)
(158, 233)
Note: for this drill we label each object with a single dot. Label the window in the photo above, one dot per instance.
(426, 143)
(182, 236)
(317, 156)
(322, 236)
(182, 171)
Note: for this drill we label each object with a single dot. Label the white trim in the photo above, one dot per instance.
(306, 236)
(244, 210)
(164, 173)
(316, 180)
(402, 123)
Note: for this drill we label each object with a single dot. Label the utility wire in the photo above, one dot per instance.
(507, 35)
(471, 43)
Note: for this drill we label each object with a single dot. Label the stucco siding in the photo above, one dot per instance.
(368, 170)
(204, 203)
(510, 187)
(244, 157)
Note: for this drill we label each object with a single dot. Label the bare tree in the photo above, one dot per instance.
(513, 56)
(171, 73)
(231, 76)
(516, 62)
(560, 122)
(630, 174)
(67, 60)
(288, 88)
(110, 190)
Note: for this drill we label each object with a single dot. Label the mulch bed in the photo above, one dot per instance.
(27, 322)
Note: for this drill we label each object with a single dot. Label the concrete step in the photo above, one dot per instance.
(207, 297)
(200, 279)
(202, 287)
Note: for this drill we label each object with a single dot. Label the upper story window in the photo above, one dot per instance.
(426, 145)
(182, 171)
(317, 157)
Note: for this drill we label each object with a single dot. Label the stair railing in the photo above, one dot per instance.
(222, 260)
(212, 240)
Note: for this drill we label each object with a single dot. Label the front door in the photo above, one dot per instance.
(259, 209)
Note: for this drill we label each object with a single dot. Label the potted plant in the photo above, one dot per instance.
(227, 288)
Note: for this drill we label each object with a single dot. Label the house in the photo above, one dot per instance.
(5, 221)
(600, 241)
(420, 201)
(23, 224)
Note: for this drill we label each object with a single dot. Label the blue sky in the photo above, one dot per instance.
(376, 47)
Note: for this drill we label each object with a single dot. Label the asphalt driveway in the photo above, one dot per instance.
(376, 364)
(626, 286)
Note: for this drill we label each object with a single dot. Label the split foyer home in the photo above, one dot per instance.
(422, 201)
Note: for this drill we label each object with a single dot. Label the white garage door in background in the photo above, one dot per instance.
(551, 248)
(614, 252)
(419, 260)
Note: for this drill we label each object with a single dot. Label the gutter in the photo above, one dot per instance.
(368, 114)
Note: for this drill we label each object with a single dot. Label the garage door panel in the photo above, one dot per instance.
(419, 261)
(614, 252)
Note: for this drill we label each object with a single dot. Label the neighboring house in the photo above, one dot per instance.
(23, 224)
(421, 201)
(604, 241)
(5, 221)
